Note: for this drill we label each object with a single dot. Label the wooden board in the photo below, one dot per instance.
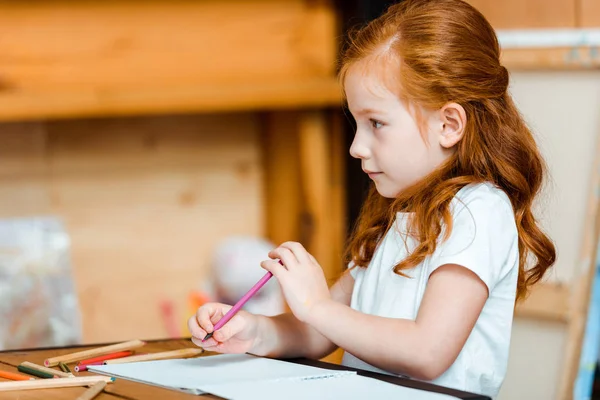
(549, 301)
(509, 14)
(315, 178)
(304, 184)
(145, 200)
(281, 163)
(582, 285)
(558, 59)
(94, 57)
(589, 13)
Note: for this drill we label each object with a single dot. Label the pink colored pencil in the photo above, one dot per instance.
(84, 367)
(239, 304)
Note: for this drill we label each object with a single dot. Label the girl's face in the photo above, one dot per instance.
(388, 141)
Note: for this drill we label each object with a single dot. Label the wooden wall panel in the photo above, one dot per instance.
(102, 57)
(589, 13)
(508, 14)
(144, 200)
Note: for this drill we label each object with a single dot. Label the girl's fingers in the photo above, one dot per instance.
(298, 251)
(230, 329)
(205, 345)
(273, 267)
(195, 329)
(286, 256)
(209, 314)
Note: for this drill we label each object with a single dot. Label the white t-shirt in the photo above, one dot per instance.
(484, 240)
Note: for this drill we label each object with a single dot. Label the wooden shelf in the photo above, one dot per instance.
(105, 57)
(306, 93)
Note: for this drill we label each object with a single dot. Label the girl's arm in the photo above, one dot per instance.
(423, 348)
(284, 336)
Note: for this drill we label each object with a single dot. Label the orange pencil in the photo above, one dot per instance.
(13, 376)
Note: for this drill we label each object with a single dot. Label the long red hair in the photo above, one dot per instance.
(448, 52)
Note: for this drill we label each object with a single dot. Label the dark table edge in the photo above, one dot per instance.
(396, 380)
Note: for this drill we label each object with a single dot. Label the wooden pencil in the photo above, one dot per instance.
(93, 391)
(54, 383)
(35, 372)
(41, 368)
(62, 367)
(165, 355)
(81, 355)
(13, 376)
(82, 365)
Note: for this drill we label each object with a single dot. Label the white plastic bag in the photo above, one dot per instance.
(38, 301)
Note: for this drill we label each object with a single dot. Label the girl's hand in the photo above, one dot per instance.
(301, 278)
(238, 335)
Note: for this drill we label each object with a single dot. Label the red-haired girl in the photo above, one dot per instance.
(446, 242)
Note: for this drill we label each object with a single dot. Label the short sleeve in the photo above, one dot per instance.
(353, 270)
(484, 235)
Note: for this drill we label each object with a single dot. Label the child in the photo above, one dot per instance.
(446, 241)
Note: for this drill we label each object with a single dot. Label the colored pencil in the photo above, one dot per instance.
(35, 372)
(82, 355)
(40, 368)
(93, 391)
(54, 383)
(64, 367)
(238, 306)
(165, 355)
(13, 376)
(84, 367)
(105, 357)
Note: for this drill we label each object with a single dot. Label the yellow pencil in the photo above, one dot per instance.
(93, 391)
(53, 383)
(165, 355)
(82, 355)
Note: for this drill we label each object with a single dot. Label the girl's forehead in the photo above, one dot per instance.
(366, 80)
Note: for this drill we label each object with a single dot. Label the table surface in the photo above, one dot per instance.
(124, 389)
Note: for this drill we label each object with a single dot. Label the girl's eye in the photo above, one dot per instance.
(376, 124)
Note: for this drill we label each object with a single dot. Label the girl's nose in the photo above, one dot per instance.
(359, 148)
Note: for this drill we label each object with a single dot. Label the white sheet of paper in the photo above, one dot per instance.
(347, 387)
(193, 375)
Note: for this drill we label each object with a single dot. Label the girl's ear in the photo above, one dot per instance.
(454, 121)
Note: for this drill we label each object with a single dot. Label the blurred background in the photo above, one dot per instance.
(151, 152)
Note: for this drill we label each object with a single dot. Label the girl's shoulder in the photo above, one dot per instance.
(483, 195)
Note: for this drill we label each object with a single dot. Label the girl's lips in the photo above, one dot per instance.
(372, 174)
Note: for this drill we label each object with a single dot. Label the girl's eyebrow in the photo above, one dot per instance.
(364, 111)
